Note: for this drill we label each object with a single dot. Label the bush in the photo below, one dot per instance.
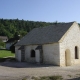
(2, 44)
(48, 78)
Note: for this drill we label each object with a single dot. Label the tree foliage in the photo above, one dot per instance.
(8, 27)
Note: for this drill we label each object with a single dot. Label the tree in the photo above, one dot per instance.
(8, 27)
(17, 35)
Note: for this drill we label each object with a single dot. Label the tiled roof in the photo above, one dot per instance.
(49, 34)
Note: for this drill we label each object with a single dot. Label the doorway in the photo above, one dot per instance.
(67, 58)
(23, 55)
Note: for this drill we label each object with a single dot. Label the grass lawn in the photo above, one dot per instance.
(46, 78)
(5, 53)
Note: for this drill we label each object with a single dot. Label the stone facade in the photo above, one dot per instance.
(17, 53)
(68, 43)
(50, 54)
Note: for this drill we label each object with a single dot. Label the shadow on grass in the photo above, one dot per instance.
(3, 49)
(7, 59)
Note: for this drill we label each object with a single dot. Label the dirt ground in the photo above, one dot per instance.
(20, 70)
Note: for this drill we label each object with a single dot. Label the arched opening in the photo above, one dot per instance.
(67, 57)
(32, 53)
(76, 53)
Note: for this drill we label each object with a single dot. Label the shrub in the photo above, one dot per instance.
(2, 44)
(48, 78)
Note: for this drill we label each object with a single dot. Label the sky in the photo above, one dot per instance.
(41, 10)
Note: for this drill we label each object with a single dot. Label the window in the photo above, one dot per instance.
(76, 52)
(32, 53)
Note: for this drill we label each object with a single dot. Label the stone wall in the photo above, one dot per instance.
(17, 53)
(51, 54)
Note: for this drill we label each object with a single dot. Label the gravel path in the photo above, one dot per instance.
(19, 70)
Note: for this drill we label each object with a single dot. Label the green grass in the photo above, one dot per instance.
(48, 78)
(5, 53)
(69, 75)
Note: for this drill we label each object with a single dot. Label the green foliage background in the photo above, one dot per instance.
(8, 27)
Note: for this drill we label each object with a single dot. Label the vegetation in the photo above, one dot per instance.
(69, 75)
(47, 78)
(51, 78)
(8, 27)
(2, 44)
(5, 53)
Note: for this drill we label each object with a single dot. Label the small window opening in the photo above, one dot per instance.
(32, 53)
(76, 52)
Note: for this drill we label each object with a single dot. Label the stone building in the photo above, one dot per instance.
(4, 38)
(58, 44)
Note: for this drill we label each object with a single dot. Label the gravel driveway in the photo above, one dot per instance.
(19, 70)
